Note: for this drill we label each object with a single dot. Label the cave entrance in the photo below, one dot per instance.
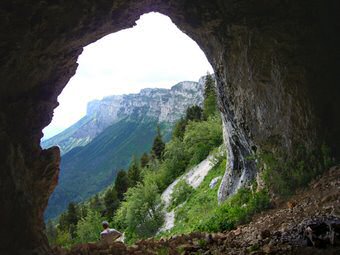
(275, 62)
(153, 54)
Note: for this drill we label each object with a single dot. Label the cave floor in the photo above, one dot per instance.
(307, 223)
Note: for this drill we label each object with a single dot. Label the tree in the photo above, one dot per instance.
(72, 218)
(144, 160)
(141, 213)
(179, 128)
(111, 202)
(63, 238)
(201, 137)
(83, 210)
(96, 204)
(158, 145)
(89, 228)
(63, 222)
(121, 184)
(134, 172)
(194, 113)
(175, 160)
(209, 103)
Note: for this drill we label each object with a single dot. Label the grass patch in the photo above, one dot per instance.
(182, 191)
(200, 204)
(235, 211)
(283, 176)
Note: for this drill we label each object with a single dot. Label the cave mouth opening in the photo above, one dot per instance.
(153, 54)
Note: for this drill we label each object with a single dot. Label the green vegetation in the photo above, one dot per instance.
(201, 137)
(158, 146)
(121, 184)
(111, 202)
(134, 174)
(141, 214)
(133, 203)
(235, 211)
(89, 227)
(284, 176)
(199, 205)
(88, 170)
(209, 104)
(182, 191)
(201, 211)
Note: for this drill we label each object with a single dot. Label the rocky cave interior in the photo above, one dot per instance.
(276, 63)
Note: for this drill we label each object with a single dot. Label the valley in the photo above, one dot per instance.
(114, 130)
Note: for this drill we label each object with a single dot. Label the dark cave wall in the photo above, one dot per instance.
(276, 63)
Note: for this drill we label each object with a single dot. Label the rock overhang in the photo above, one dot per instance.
(275, 62)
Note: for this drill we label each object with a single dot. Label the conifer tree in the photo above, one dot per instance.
(96, 204)
(209, 103)
(111, 202)
(134, 172)
(194, 113)
(72, 218)
(63, 223)
(144, 160)
(158, 145)
(179, 128)
(121, 184)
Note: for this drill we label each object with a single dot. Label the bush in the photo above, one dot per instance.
(201, 137)
(89, 228)
(237, 210)
(180, 194)
(175, 161)
(141, 214)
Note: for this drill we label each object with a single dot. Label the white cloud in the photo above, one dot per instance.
(155, 53)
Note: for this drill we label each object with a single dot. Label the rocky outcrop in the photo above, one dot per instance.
(163, 105)
(276, 64)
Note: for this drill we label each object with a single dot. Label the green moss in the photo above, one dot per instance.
(283, 176)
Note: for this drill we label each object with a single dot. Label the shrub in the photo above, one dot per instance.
(237, 210)
(180, 194)
(201, 137)
(141, 214)
(89, 228)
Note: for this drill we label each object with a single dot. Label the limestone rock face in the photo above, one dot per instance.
(276, 64)
(163, 105)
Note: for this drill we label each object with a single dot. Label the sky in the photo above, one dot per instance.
(152, 54)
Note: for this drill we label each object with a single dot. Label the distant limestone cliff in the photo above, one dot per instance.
(161, 105)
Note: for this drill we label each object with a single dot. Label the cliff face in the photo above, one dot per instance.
(276, 64)
(162, 105)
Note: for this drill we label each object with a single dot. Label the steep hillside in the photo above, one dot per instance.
(309, 223)
(115, 129)
(87, 170)
(165, 105)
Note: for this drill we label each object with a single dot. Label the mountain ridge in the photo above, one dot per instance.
(166, 105)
